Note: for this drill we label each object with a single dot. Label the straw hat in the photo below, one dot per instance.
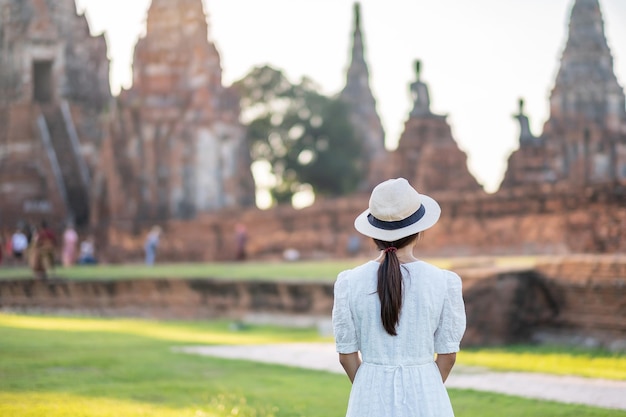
(397, 210)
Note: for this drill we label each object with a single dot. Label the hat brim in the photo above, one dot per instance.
(431, 216)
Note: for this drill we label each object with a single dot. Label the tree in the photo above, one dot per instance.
(305, 136)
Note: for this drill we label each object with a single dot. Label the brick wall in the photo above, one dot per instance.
(534, 220)
(590, 292)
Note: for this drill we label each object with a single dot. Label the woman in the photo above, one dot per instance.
(398, 312)
(70, 240)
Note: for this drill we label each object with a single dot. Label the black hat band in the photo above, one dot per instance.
(399, 224)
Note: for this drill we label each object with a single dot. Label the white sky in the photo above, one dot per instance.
(478, 56)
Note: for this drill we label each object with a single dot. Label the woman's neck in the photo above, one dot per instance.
(405, 255)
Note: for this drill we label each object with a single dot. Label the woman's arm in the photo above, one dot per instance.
(350, 363)
(445, 362)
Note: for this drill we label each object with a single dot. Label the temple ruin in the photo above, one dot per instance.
(171, 149)
(362, 104)
(584, 141)
(174, 145)
(427, 154)
(54, 88)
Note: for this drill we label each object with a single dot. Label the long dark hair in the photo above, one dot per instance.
(390, 282)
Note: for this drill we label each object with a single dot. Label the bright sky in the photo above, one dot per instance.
(478, 56)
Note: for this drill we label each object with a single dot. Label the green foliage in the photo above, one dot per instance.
(305, 136)
(69, 367)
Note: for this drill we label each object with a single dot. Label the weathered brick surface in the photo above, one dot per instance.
(163, 298)
(174, 147)
(556, 220)
(590, 292)
(429, 157)
(584, 141)
(36, 32)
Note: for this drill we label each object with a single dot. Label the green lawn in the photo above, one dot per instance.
(327, 270)
(303, 270)
(74, 367)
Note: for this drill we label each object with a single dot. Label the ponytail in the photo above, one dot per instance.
(389, 286)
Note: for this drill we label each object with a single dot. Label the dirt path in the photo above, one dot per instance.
(322, 356)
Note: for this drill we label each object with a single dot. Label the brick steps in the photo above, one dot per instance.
(77, 194)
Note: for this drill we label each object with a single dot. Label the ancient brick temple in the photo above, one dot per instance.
(427, 154)
(364, 117)
(53, 88)
(174, 147)
(564, 191)
(584, 141)
(171, 149)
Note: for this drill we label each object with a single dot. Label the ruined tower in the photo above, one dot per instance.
(427, 154)
(175, 146)
(363, 115)
(584, 140)
(53, 88)
(587, 105)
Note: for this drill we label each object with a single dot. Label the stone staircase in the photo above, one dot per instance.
(77, 194)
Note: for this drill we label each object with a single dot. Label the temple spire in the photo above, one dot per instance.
(586, 84)
(362, 105)
(358, 64)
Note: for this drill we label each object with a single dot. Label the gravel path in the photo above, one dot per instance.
(322, 356)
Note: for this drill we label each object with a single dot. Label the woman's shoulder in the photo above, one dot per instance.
(369, 265)
(436, 272)
(357, 271)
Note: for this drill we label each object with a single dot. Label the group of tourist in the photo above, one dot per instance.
(37, 245)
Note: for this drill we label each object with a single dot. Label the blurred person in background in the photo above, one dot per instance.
(241, 239)
(87, 254)
(19, 244)
(42, 251)
(152, 244)
(70, 241)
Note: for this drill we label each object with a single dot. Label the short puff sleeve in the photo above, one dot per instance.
(343, 325)
(452, 321)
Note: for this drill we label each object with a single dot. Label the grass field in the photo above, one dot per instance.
(303, 270)
(74, 367)
(557, 360)
(241, 270)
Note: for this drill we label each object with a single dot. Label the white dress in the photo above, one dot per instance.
(398, 376)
